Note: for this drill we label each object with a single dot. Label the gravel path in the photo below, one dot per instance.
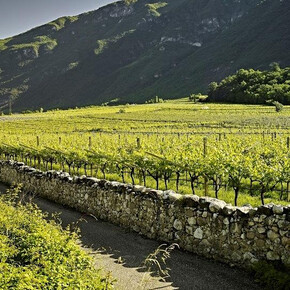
(122, 253)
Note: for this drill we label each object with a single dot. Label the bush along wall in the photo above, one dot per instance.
(236, 235)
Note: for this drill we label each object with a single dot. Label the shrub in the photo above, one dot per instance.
(37, 254)
(278, 106)
(272, 277)
(121, 111)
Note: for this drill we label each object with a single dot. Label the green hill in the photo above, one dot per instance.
(134, 52)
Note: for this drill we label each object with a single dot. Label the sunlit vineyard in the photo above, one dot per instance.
(233, 152)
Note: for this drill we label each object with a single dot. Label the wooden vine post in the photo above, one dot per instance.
(138, 143)
(38, 158)
(205, 177)
(90, 142)
(288, 142)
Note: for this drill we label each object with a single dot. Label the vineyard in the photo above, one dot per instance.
(236, 153)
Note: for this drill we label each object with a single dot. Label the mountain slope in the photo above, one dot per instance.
(133, 52)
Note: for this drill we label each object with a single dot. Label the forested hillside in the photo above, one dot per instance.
(133, 52)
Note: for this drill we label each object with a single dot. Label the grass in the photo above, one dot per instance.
(3, 43)
(39, 41)
(153, 8)
(104, 43)
(39, 254)
(59, 23)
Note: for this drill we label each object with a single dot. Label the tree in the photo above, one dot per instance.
(275, 66)
(195, 97)
(278, 106)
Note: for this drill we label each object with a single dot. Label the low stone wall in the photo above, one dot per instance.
(206, 226)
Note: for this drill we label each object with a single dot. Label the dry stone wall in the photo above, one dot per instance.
(202, 225)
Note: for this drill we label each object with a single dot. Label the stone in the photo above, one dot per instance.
(250, 235)
(189, 230)
(281, 224)
(205, 243)
(286, 241)
(272, 256)
(277, 209)
(264, 218)
(272, 235)
(243, 211)
(265, 210)
(228, 210)
(165, 195)
(155, 194)
(261, 230)
(190, 200)
(235, 228)
(138, 188)
(260, 243)
(216, 206)
(201, 221)
(189, 212)
(204, 202)
(178, 225)
(198, 233)
(252, 212)
(192, 221)
(226, 221)
(248, 256)
(283, 233)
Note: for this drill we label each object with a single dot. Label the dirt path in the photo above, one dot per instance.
(123, 252)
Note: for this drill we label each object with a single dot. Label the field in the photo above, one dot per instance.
(238, 153)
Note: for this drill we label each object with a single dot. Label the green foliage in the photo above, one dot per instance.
(104, 43)
(195, 98)
(38, 41)
(72, 65)
(278, 106)
(130, 2)
(36, 254)
(3, 43)
(153, 8)
(155, 100)
(60, 22)
(253, 87)
(272, 277)
(122, 111)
